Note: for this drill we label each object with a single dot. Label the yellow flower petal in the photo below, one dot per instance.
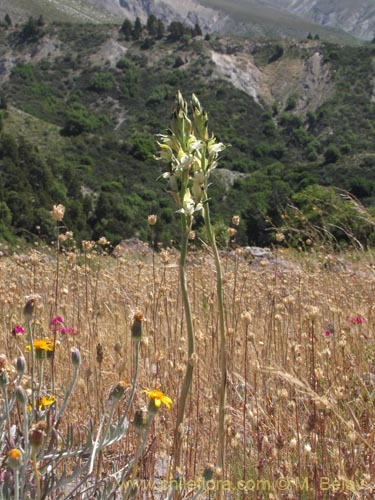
(159, 398)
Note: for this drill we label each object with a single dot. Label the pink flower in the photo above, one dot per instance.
(18, 329)
(355, 320)
(57, 320)
(327, 333)
(69, 330)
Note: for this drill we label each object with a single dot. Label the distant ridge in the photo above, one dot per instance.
(259, 18)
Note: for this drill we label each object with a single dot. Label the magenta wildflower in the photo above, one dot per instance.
(57, 320)
(327, 333)
(68, 331)
(355, 320)
(18, 329)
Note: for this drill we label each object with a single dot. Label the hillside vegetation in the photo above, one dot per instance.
(80, 107)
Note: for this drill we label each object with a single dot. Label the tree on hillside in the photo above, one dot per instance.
(8, 21)
(32, 29)
(176, 30)
(152, 25)
(126, 29)
(137, 30)
(160, 29)
(196, 31)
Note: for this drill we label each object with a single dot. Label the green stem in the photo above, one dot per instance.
(55, 305)
(37, 475)
(26, 445)
(98, 444)
(185, 229)
(223, 360)
(16, 484)
(139, 451)
(68, 394)
(39, 381)
(32, 365)
(6, 404)
(134, 385)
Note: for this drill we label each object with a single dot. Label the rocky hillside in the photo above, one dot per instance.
(276, 18)
(356, 18)
(80, 106)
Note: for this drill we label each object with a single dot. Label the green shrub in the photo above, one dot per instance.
(102, 82)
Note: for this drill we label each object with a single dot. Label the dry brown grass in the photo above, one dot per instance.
(300, 404)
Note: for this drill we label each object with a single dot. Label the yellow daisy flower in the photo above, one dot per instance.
(42, 345)
(46, 401)
(159, 398)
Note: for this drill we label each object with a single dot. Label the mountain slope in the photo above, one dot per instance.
(267, 18)
(241, 17)
(80, 106)
(356, 18)
(55, 10)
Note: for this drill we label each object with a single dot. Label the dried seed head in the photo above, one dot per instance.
(218, 473)
(117, 347)
(152, 219)
(293, 443)
(87, 245)
(103, 241)
(140, 418)
(307, 448)
(99, 353)
(133, 493)
(21, 395)
(75, 356)
(4, 379)
(193, 360)
(36, 437)
(20, 365)
(208, 472)
(58, 212)
(137, 326)
(236, 220)
(246, 317)
(279, 237)
(118, 391)
(28, 309)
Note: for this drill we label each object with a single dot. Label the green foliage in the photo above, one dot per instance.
(79, 120)
(8, 21)
(24, 71)
(331, 154)
(32, 30)
(291, 103)
(323, 215)
(108, 117)
(102, 82)
(176, 31)
(178, 62)
(152, 25)
(126, 29)
(5, 214)
(130, 79)
(196, 31)
(279, 52)
(137, 29)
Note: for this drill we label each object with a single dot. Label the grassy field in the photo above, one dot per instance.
(300, 379)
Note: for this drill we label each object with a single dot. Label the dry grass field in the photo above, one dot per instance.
(300, 370)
